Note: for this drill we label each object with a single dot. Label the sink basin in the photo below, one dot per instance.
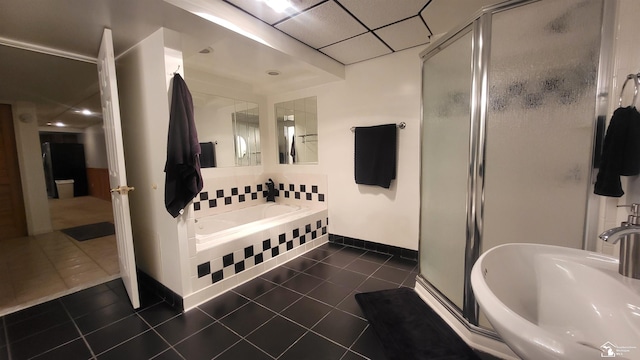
(550, 302)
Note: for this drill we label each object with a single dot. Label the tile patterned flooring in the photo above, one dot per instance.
(304, 309)
(37, 268)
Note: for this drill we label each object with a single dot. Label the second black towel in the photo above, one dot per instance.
(375, 155)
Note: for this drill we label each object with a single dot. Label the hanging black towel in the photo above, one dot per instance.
(183, 180)
(620, 152)
(375, 155)
(208, 156)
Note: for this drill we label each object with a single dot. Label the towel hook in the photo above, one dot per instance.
(636, 84)
(175, 72)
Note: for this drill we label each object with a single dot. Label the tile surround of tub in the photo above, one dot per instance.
(237, 192)
(227, 194)
(227, 265)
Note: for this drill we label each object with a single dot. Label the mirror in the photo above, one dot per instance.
(228, 131)
(297, 129)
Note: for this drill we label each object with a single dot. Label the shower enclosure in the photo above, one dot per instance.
(514, 99)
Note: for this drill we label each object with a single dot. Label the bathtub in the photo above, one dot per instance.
(216, 229)
(230, 248)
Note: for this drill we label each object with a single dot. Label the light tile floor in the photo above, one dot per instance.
(35, 269)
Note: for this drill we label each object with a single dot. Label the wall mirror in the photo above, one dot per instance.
(297, 129)
(228, 130)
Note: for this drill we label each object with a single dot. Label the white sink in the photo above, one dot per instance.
(550, 302)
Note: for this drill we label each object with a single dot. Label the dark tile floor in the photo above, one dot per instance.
(304, 309)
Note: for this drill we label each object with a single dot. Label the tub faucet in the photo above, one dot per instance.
(271, 191)
(629, 233)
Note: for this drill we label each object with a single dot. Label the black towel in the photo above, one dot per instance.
(620, 152)
(183, 180)
(208, 156)
(375, 155)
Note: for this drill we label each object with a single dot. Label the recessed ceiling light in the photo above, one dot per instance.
(207, 50)
(85, 112)
(278, 6)
(60, 124)
(273, 72)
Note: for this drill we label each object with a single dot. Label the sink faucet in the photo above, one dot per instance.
(629, 235)
(271, 191)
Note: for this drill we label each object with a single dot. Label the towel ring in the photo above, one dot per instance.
(636, 84)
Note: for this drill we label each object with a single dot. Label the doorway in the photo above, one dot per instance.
(37, 268)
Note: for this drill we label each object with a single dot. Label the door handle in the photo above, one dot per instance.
(123, 189)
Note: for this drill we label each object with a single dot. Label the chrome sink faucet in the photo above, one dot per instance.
(629, 235)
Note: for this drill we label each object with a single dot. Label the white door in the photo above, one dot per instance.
(117, 173)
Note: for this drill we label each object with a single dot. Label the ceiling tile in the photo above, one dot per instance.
(263, 12)
(378, 13)
(359, 48)
(443, 15)
(405, 34)
(323, 25)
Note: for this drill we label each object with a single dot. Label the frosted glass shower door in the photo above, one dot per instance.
(445, 166)
(540, 122)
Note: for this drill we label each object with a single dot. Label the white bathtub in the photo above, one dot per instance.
(215, 229)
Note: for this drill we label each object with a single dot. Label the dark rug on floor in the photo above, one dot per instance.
(91, 231)
(409, 329)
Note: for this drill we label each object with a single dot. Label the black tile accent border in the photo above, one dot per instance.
(204, 269)
(373, 246)
(242, 194)
(278, 246)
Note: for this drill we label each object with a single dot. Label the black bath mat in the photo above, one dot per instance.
(409, 329)
(91, 231)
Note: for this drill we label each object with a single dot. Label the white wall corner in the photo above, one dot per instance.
(34, 190)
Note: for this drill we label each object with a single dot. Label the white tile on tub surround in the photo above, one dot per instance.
(238, 255)
(229, 283)
(266, 255)
(199, 297)
(228, 272)
(271, 263)
(203, 256)
(200, 283)
(193, 251)
(249, 262)
(216, 264)
(249, 274)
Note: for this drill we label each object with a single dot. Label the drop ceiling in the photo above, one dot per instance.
(351, 31)
(340, 31)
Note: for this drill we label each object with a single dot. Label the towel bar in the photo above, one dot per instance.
(401, 125)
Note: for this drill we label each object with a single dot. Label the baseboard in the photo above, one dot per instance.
(157, 288)
(373, 246)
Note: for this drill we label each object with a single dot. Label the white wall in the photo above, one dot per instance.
(95, 148)
(379, 91)
(34, 189)
(160, 240)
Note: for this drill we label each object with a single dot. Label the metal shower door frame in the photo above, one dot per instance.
(480, 24)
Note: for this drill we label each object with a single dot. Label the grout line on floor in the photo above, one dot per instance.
(153, 328)
(6, 338)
